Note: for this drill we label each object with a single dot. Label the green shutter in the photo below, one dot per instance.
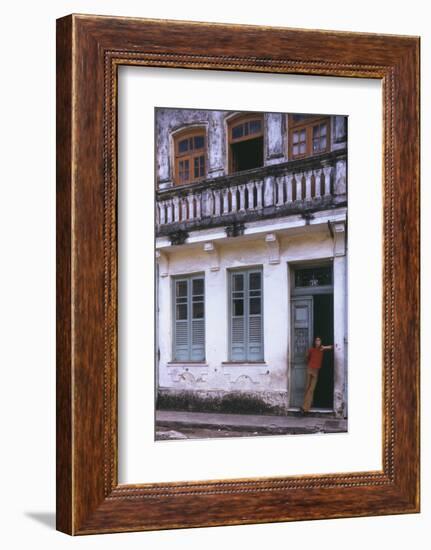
(197, 319)
(246, 326)
(181, 317)
(189, 319)
(238, 320)
(255, 328)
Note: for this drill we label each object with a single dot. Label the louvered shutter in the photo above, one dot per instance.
(189, 315)
(246, 331)
(197, 319)
(255, 340)
(238, 319)
(181, 316)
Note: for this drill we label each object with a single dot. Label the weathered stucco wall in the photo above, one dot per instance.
(269, 381)
(169, 121)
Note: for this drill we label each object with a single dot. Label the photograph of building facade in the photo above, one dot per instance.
(251, 250)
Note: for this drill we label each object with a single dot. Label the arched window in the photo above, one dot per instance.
(190, 156)
(308, 135)
(245, 142)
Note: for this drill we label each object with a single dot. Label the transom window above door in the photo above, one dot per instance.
(313, 276)
(190, 156)
(308, 135)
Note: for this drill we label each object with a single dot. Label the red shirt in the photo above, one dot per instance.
(315, 358)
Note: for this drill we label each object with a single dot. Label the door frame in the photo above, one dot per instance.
(298, 293)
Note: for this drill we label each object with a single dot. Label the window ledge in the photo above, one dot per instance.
(244, 363)
(187, 364)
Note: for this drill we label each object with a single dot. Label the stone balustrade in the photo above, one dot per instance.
(240, 197)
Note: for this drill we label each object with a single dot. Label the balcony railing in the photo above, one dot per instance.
(294, 186)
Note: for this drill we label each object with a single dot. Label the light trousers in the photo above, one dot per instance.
(310, 386)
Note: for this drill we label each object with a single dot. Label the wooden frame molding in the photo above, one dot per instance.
(89, 51)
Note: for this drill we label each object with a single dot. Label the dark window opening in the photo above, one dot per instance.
(247, 155)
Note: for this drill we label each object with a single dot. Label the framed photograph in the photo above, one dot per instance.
(237, 274)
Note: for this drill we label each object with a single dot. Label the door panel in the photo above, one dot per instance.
(301, 341)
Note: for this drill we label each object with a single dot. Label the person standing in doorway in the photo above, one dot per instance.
(314, 364)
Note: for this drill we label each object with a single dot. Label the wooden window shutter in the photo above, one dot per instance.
(246, 323)
(255, 328)
(189, 319)
(197, 319)
(238, 320)
(181, 320)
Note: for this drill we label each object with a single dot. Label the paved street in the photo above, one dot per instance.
(195, 425)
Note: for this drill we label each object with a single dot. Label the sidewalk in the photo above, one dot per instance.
(191, 425)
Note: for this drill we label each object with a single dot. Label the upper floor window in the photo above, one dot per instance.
(190, 156)
(308, 135)
(245, 142)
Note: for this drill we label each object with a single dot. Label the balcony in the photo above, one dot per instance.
(294, 187)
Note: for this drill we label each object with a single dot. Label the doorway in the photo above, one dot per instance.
(323, 326)
(312, 315)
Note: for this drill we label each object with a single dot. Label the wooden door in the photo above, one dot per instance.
(301, 341)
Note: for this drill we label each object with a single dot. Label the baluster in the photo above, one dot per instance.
(162, 213)
(233, 191)
(308, 175)
(183, 210)
(217, 208)
(241, 198)
(268, 198)
(207, 203)
(225, 200)
(259, 186)
(339, 178)
(169, 211)
(157, 213)
(250, 189)
(298, 179)
(327, 171)
(280, 191)
(198, 206)
(190, 200)
(317, 182)
(289, 184)
(176, 202)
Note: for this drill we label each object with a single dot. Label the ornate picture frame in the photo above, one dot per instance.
(89, 51)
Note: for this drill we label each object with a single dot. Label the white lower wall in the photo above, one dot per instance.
(272, 375)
